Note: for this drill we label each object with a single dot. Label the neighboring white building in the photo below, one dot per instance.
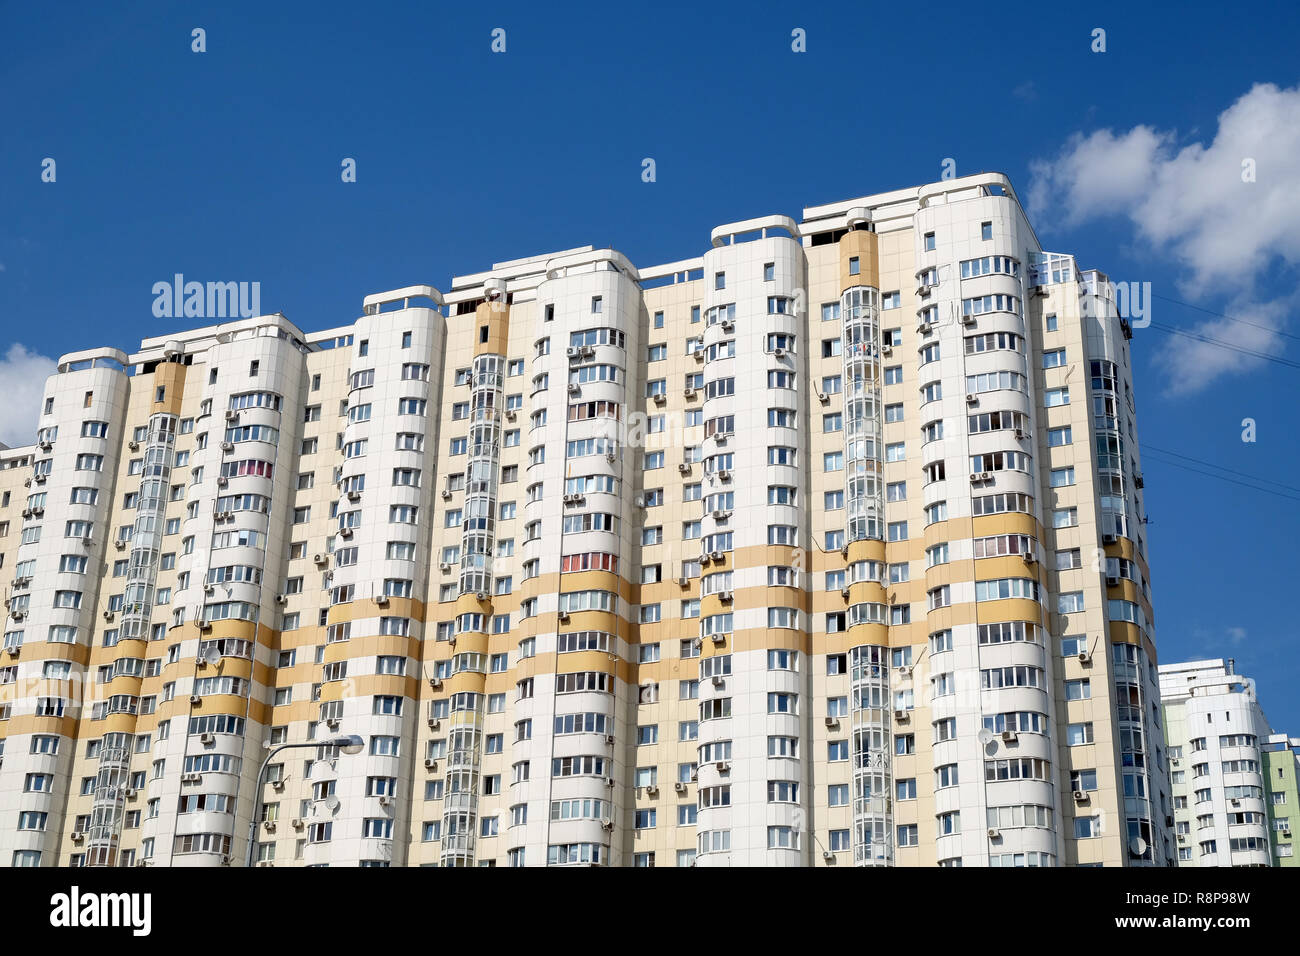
(1213, 730)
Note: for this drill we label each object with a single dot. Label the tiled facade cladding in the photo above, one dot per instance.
(434, 529)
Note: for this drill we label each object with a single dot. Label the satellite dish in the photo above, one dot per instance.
(1137, 846)
(333, 804)
(211, 655)
(985, 737)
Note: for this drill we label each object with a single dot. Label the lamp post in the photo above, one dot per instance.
(349, 744)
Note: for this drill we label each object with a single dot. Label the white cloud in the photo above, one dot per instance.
(1193, 205)
(1236, 635)
(22, 383)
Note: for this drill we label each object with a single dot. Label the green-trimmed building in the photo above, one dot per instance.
(1281, 755)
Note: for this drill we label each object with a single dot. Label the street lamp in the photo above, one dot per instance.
(348, 744)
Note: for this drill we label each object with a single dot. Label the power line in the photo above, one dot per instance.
(1230, 318)
(1225, 345)
(1234, 481)
(1164, 451)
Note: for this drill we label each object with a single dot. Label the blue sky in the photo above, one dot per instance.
(225, 165)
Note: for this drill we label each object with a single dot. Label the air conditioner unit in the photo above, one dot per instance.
(722, 766)
(679, 787)
(1182, 838)
(727, 325)
(699, 355)
(724, 474)
(844, 551)
(1109, 539)
(281, 599)
(986, 476)
(605, 822)
(381, 600)
(972, 398)
(611, 457)
(609, 781)
(823, 397)
(574, 388)
(296, 823)
(385, 800)
(39, 479)
(444, 567)
(195, 699)
(18, 615)
(446, 494)
(277, 786)
(994, 833)
(778, 352)
(923, 328)
(844, 592)
(433, 722)
(573, 351)
(332, 723)
(715, 555)
(1021, 433)
(27, 512)
(652, 790)
(975, 478)
(222, 481)
(321, 559)
(660, 398)
(232, 415)
(832, 722)
(227, 446)
(697, 643)
(717, 680)
(191, 778)
(268, 826)
(108, 615)
(1086, 658)
(77, 837)
(683, 581)
(1029, 557)
(588, 351)
(1112, 580)
(688, 392)
(205, 626)
(354, 495)
(1235, 802)
(131, 792)
(13, 651)
(901, 716)
(1080, 796)
(719, 638)
(431, 764)
(207, 739)
(38, 511)
(968, 320)
(119, 544)
(720, 515)
(886, 350)
(905, 670)
(345, 532)
(1009, 736)
(563, 615)
(684, 469)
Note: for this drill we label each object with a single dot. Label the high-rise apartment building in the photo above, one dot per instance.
(821, 547)
(1281, 758)
(1215, 732)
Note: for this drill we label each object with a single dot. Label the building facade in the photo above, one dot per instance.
(823, 547)
(1281, 756)
(1215, 734)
